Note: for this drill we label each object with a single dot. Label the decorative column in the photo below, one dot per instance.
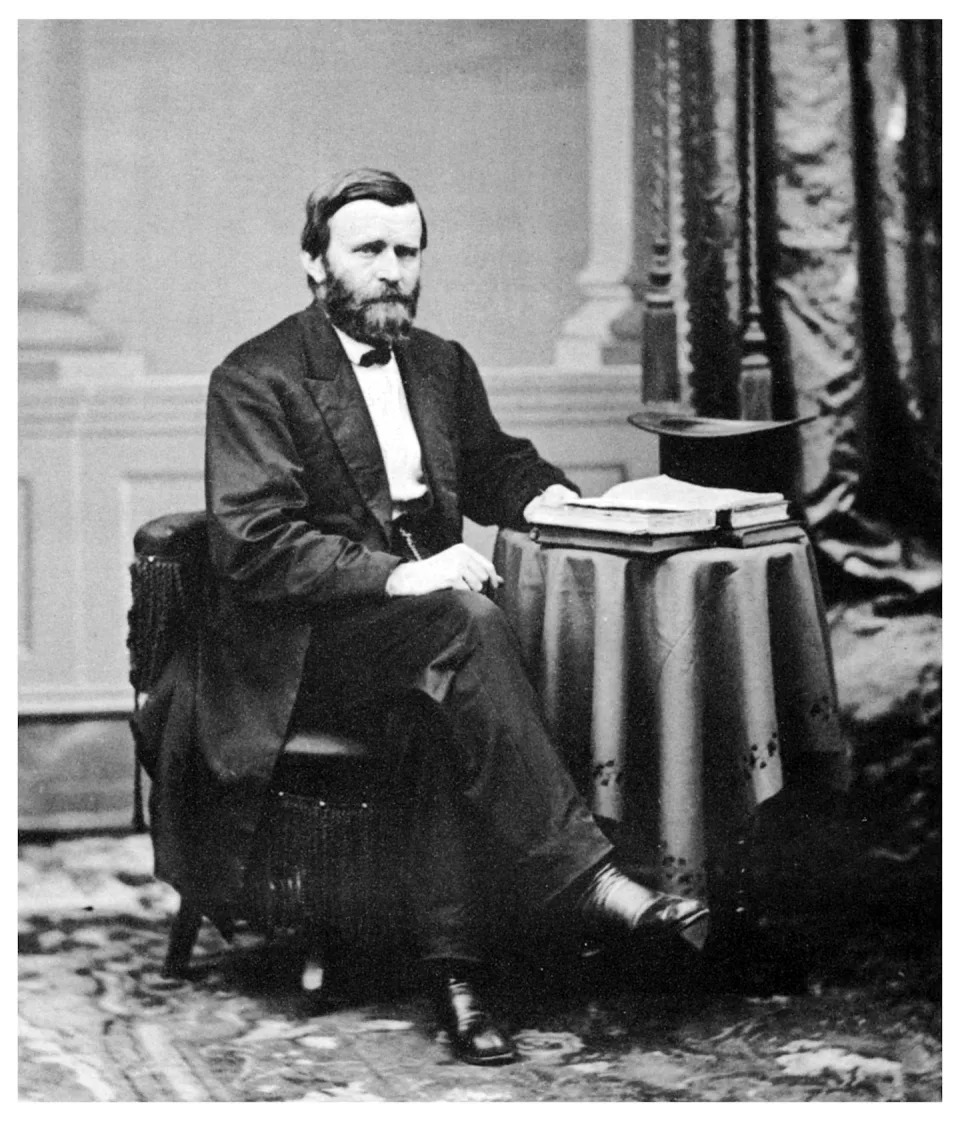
(53, 292)
(705, 192)
(661, 377)
(626, 330)
(756, 377)
(602, 283)
(82, 463)
(646, 332)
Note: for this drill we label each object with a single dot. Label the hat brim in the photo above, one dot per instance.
(703, 427)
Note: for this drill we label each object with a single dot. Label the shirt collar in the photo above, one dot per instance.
(355, 350)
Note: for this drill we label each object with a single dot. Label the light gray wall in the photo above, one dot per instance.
(203, 138)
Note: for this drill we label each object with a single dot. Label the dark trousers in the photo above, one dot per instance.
(484, 778)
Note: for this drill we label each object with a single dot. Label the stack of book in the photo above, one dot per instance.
(662, 514)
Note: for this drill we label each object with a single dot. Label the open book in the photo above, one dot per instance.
(661, 505)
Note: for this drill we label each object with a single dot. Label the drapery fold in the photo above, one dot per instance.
(849, 252)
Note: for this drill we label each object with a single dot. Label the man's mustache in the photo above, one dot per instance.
(392, 297)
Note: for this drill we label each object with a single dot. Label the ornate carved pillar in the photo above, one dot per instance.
(706, 192)
(661, 376)
(53, 292)
(626, 330)
(602, 283)
(756, 376)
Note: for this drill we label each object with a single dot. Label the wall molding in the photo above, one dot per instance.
(146, 405)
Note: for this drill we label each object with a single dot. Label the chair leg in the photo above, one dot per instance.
(183, 936)
(311, 979)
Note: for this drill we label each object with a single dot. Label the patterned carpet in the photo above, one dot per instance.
(99, 1023)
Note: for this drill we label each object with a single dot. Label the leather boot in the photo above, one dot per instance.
(473, 1036)
(612, 902)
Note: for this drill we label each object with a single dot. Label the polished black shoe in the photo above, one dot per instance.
(473, 1036)
(612, 901)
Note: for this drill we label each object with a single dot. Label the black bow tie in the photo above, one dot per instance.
(379, 356)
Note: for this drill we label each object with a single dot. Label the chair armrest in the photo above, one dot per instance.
(181, 536)
(167, 584)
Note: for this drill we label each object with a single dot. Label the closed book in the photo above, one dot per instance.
(557, 537)
(743, 516)
(752, 536)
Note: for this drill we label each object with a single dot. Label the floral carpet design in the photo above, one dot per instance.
(98, 1022)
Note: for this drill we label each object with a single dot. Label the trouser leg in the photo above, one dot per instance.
(444, 887)
(457, 649)
(514, 775)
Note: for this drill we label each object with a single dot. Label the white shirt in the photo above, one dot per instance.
(387, 404)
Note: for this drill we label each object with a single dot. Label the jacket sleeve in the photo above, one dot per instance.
(262, 542)
(500, 473)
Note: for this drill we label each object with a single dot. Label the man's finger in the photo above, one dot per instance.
(484, 573)
(488, 569)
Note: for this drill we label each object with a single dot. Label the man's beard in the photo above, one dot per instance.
(386, 318)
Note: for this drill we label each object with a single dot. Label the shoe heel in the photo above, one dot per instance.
(697, 931)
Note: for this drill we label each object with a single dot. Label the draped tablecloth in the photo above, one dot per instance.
(680, 689)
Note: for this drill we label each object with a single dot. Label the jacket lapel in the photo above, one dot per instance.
(425, 387)
(332, 384)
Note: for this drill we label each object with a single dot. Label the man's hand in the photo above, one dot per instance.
(457, 567)
(555, 495)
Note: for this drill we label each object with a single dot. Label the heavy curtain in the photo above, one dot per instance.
(847, 121)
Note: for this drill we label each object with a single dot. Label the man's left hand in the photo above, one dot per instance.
(556, 495)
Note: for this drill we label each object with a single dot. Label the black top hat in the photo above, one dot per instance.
(760, 455)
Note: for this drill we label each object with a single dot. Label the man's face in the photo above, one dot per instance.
(369, 278)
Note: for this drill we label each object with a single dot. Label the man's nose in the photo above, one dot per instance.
(388, 267)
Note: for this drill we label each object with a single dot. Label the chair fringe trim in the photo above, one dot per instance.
(160, 619)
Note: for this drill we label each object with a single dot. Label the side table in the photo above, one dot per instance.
(682, 690)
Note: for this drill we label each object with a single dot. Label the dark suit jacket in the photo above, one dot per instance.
(299, 519)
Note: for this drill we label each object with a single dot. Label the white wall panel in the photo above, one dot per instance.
(96, 459)
(48, 576)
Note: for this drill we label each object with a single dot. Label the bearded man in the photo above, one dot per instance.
(344, 448)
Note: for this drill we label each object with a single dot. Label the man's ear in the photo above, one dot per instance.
(313, 266)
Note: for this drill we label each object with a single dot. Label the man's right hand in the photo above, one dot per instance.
(457, 567)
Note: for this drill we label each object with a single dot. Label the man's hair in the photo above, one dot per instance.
(351, 186)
